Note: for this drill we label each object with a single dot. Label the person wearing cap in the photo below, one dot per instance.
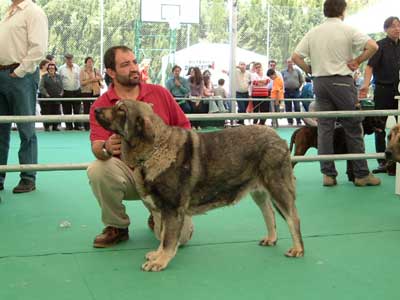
(385, 67)
(24, 33)
(69, 73)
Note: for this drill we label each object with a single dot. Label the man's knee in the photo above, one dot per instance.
(100, 169)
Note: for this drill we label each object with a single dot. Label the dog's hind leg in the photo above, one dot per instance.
(283, 196)
(172, 224)
(262, 199)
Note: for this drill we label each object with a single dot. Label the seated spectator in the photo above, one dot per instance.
(179, 88)
(196, 85)
(51, 87)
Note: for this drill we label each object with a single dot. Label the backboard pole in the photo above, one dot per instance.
(233, 43)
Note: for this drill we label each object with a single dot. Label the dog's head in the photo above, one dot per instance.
(129, 118)
(392, 151)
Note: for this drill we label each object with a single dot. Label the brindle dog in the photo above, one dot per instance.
(392, 152)
(180, 172)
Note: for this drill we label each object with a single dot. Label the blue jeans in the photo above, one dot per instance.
(18, 97)
(295, 93)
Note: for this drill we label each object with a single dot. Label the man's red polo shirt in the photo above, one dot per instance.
(164, 105)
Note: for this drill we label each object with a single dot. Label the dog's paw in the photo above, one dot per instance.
(152, 255)
(293, 252)
(155, 265)
(268, 242)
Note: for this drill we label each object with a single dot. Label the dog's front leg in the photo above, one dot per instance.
(172, 223)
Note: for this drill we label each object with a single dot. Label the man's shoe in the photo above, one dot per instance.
(110, 237)
(380, 169)
(24, 186)
(367, 180)
(329, 180)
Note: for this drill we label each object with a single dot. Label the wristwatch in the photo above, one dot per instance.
(106, 153)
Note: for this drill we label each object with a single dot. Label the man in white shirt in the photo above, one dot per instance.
(69, 73)
(24, 36)
(330, 47)
(243, 80)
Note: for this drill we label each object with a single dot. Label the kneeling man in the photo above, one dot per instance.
(111, 180)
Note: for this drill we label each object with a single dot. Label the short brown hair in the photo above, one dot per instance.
(334, 8)
(109, 56)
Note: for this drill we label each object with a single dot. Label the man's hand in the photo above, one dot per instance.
(363, 92)
(353, 64)
(113, 144)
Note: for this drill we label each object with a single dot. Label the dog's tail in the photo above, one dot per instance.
(292, 138)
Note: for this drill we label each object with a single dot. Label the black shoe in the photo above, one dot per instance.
(46, 129)
(24, 186)
(380, 169)
(78, 128)
(1, 186)
(56, 129)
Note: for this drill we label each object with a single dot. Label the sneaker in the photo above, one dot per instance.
(380, 169)
(329, 180)
(24, 186)
(367, 180)
(110, 237)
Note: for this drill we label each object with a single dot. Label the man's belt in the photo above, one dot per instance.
(9, 67)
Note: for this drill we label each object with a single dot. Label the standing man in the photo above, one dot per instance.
(179, 88)
(293, 80)
(329, 47)
(112, 180)
(24, 33)
(385, 66)
(243, 80)
(69, 73)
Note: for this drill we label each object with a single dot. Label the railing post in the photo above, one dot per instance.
(397, 189)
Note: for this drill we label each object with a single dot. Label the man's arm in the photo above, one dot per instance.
(370, 48)
(299, 60)
(367, 79)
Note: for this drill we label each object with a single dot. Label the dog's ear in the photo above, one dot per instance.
(139, 128)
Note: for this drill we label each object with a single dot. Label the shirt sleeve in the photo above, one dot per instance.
(359, 40)
(303, 48)
(97, 132)
(37, 39)
(374, 61)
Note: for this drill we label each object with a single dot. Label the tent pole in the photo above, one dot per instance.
(233, 44)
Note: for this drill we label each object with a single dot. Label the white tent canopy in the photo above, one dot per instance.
(204, 55)
(371, 18)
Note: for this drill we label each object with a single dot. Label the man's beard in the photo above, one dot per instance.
(126, 80)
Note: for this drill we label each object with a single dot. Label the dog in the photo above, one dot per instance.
(392, 152)
(180, 172)
(306, 137)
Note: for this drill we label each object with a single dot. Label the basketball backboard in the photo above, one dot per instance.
(179, 11)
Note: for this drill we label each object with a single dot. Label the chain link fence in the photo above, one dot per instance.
(75, 27)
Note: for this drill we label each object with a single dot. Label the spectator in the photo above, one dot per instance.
(111, 180)
(327, 46)
(293, 80)
(43, 67)
(91, 84)
(24, 37)
(277, 92)
(179, 88)
(385, 67)
(51, 87)
(243, 80)
(51, 58)
(69, 73)
(259, 90)
(219, 92)
(145, 71)
(307, 92)
(196, 85)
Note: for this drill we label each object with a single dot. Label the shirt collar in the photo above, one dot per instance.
(144, 90)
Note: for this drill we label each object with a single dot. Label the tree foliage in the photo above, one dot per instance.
(75, 27)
